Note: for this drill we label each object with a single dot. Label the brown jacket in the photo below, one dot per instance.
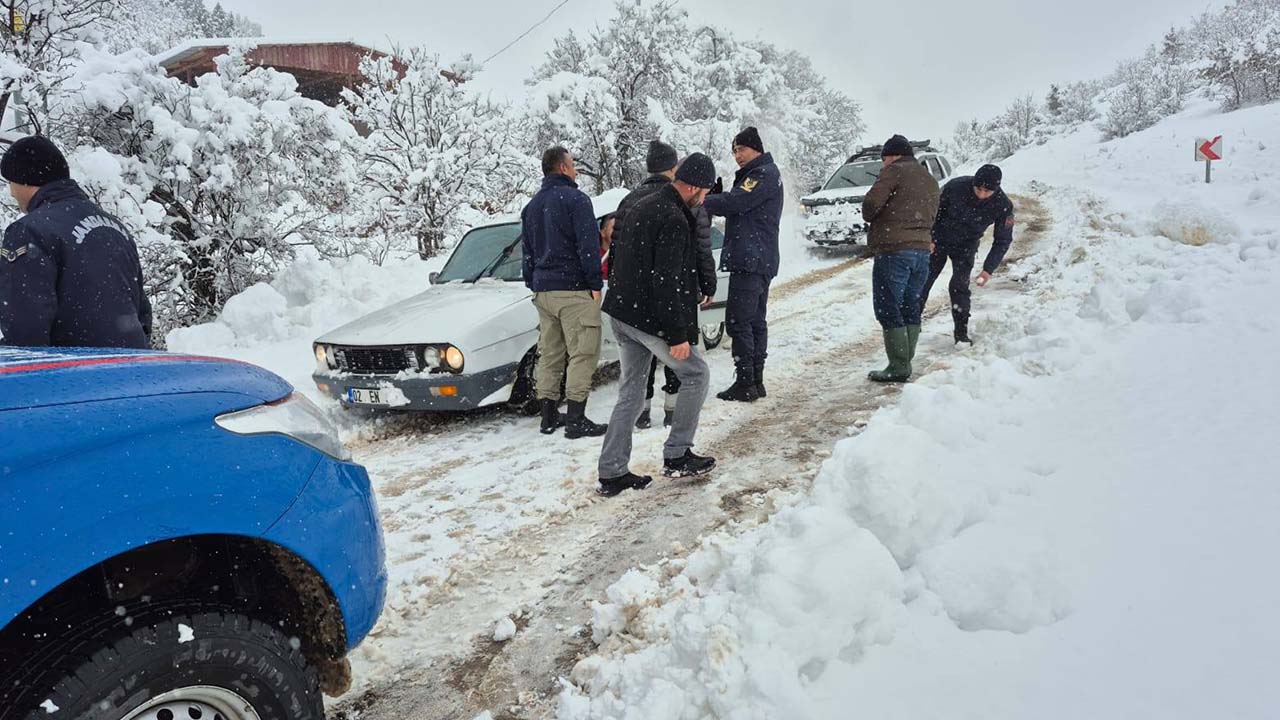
(901, 208)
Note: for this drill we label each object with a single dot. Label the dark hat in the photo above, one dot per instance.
(988, 176)
(749, 138)
(697, 170)
(897, 145)
(661, 158)
(34, 161)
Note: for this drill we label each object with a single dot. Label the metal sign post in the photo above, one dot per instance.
(1208, 151)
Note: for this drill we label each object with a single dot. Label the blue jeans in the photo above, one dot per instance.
(897, 287)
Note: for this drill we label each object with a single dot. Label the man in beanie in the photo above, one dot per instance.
(653, 308)
(661, 163)
(69, 272)
(968, 207)
(753, 212)
(900, 207)
(561, 243)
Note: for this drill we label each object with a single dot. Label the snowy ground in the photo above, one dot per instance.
(1073, 520)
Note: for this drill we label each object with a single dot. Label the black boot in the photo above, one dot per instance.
(760, 382)
(668, 417)
(688, 466)
(743, 388)
(612, 486)
(577, 425)
(551, 419)
(961, 320)
(644, 422)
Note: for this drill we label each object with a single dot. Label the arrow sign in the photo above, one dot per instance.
(1209, 149)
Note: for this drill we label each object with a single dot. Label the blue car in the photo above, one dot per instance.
(180, 537)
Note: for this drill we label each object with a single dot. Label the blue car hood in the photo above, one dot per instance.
(39, 377)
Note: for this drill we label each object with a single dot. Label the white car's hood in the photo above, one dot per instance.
(838, 195)
(449, 313)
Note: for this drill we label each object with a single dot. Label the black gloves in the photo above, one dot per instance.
(718, 187)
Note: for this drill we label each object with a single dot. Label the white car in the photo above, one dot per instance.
(833, 213)
(470, 339)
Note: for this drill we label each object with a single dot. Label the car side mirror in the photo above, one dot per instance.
(432, 277)
(814, 189)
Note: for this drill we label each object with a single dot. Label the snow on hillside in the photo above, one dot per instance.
(1072, 520)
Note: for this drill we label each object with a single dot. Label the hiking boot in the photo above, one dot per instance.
(668, 417)
(962, 335)
(913, 338)
(898, 347)
(612, 486)
(578, 425)
(551, 418)
(760, 382)
(644, 422)
(743, 389)
(688, 466)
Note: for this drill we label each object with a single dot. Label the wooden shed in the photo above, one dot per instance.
(323, 69)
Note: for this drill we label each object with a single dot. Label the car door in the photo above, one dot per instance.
(714, 314)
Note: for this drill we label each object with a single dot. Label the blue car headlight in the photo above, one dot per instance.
(295, 417)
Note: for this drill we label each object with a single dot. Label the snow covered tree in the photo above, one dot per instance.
(1240, 51)
(1053, 103)
(228, 176)
(437, 155)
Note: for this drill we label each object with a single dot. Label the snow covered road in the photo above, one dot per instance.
(486, 519)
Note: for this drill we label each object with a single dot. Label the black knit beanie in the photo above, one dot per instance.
(661, 158)
(898, 145)
(697, 170)
(988, 176)
(749, 138)
(34, 161)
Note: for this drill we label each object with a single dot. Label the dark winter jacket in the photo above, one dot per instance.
(70, 276)
(654, 273)
(560, 238)
(900, 207)
(706, 258)
(962, 219)
(753, 212)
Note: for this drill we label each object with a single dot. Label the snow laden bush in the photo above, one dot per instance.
(223, 179)
(438, 157)
(651, 73)
(1240, 52)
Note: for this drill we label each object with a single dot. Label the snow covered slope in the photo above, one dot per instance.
(1075, 519)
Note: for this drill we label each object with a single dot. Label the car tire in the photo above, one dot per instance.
(208, 664)
(524, 396)
(712, 340)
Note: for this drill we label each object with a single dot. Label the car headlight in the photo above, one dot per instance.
(431, 357)
(453, 358)
(325, 359)
(806, 209)
(295, 417)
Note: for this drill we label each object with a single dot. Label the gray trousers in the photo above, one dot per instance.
(635, 348)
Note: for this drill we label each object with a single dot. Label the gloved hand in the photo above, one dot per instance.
(718, 188)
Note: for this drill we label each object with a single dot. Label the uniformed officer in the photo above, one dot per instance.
(69, 271)
(968, 207)
(753, 214)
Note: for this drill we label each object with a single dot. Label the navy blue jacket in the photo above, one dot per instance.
(561, 239)
(962, 220)
(752, 212)
(70, 276)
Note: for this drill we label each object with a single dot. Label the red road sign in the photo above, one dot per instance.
(1209, 149)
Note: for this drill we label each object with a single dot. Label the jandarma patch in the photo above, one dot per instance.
(12, 255)
(749, 184)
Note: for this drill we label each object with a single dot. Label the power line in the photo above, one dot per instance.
(526, 32)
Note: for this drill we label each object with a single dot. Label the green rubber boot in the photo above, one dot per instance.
(913, 337)
(897, 346)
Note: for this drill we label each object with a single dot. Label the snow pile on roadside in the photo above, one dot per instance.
(1119, 406)
(273, 325)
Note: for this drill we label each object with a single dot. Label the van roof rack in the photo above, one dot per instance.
(873, 151)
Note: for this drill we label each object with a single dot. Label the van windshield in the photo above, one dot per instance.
(477, 255)
(855, 174)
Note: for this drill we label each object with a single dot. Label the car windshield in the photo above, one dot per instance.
(477, 255)
(857, 174)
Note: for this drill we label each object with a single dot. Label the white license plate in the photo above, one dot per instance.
(365, 396)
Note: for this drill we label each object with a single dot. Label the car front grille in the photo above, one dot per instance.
(376, 361)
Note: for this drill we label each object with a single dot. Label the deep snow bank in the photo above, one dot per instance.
(1045, 527)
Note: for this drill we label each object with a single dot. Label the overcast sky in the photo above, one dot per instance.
(916, 66)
